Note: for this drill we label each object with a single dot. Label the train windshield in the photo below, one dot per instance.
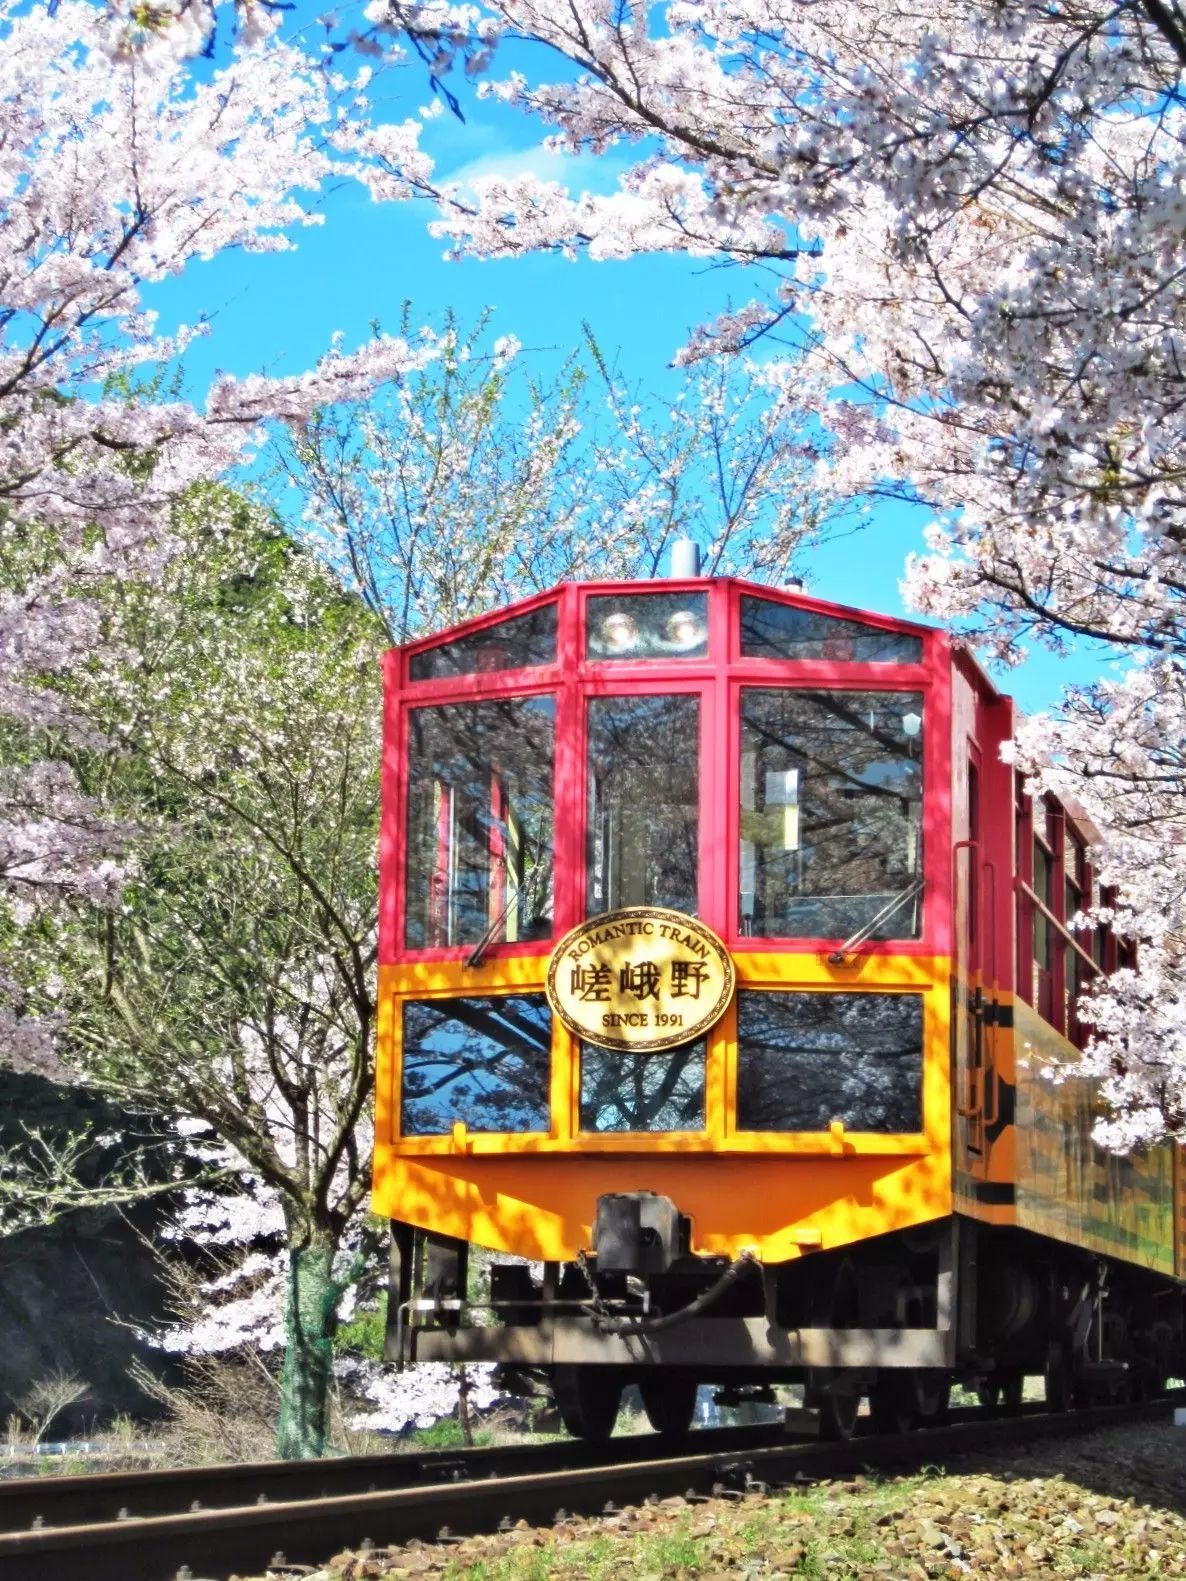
(807, 1059)
(786, 631)
(643, 808)
(479, 864)
(643, 1092)
(647, 626)
(519, 643)
(831, 814)
(482, 1062)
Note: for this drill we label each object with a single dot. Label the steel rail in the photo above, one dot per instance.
(213, 1543)
(92, 1497)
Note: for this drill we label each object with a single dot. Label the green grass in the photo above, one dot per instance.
(445, 1434)
(364, 1334)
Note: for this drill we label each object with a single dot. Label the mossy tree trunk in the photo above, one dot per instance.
(464, 1416)
(310, 1319)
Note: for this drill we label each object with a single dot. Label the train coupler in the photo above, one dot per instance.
(638, 1232)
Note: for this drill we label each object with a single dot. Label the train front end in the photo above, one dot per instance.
(665, 990)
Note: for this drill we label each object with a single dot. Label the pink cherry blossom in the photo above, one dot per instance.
(120, 166)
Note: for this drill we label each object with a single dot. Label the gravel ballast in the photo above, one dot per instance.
(1111, 1504)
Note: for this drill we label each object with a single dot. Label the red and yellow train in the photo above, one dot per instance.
(721, 954)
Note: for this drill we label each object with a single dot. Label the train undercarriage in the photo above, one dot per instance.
(896, 1320)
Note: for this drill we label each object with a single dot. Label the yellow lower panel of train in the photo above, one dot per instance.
(543, 1207)
(783, 1195)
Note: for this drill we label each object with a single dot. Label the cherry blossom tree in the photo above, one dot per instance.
(232, 986)
(477, 480)
(123, 164)
(44, 1177)
(969, 215)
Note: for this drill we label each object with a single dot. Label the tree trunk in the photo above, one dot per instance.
(310, 1318)
(464, 1419)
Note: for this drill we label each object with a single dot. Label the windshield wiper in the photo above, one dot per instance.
(525, 892)
(913, 888)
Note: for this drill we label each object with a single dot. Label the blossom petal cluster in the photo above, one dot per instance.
(125, 159)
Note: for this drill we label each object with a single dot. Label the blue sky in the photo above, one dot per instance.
(276, 313)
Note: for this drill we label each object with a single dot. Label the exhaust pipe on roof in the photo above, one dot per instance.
(685, 559)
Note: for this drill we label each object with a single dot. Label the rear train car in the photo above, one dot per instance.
(720, 956)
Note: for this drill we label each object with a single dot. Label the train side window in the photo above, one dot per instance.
(1043, 869)
(1077, 975)
(974, 859)
(1023, 845)
(479, 859)
(482, 1061)
(831, 814)
(1075, 861)
(806, 1059)
(647, 626)
(642, 1092)
(784, 631)
(644, 798)
(1047, 943)
(519, 643)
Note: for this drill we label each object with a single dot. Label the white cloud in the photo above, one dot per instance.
(579, 172)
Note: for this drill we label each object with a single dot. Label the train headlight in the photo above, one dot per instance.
(684, 631)
(619, 634)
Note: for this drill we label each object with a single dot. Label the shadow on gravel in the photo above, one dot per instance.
(1144, 1463)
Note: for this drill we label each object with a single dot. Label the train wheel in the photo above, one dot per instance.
(669, 1401)
(901, 1401)
(1151, 1362)
(587, 1399)
(1002, 1393)
(1060, 1381)
(839, 1406)
(889, 1406)
(831, 1390)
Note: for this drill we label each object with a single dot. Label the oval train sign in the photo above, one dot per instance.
(640, 979)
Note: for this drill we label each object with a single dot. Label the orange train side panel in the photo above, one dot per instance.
(1069, 1189)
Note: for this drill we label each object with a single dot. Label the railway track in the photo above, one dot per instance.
(209, 1523)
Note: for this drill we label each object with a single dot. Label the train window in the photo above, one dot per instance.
(781, 631)
(481, 1061)
(647, 626)
(1043, 874)
(1079, 980)
(643, 803)
(643, 1092)
(806, 1059)
(1073, 902)
(1043, 935)
(479, 864)
(972, 900)
(831, 814)
(516, 644)
(1075, 871)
